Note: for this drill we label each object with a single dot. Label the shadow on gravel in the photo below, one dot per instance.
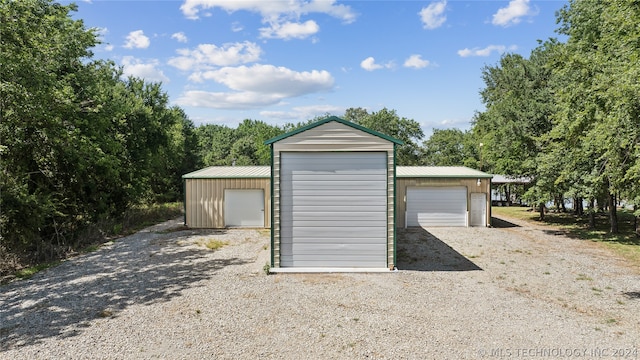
(501, 223)
(632, 294)
(143, 268)
(420, 250)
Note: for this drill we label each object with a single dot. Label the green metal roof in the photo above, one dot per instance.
(336, 119)
(440, 172)
(230, 172)
(264, 172)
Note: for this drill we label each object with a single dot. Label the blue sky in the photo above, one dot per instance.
(285, 61)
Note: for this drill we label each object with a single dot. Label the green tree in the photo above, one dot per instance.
(77, 144)
(389, 123)
(520, 105)
(450, 147)
(600, 108)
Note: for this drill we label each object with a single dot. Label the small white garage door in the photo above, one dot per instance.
(244, 208)
(436, 206)
(333, 209)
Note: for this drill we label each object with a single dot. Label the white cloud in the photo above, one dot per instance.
(180, 36)
(370, 64)
(204, 56)
(513, 13)
(432, 16)
(231, 100)
(281, 17)
(290, 30)
(416, 62)
(108, 47)
(303, 113)
(272, 10)
(255, 86)
(137, 39)
(466, 52)
(236, 27)
(269, 79)
(144, 70)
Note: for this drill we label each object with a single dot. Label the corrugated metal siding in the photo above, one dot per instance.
(333, 209)
(276, 210)
(333, 136)
(469, 183)
(204, 200)
(391, 204)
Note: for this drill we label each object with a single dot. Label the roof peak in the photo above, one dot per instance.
(338, 120)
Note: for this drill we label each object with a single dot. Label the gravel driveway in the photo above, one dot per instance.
(460, 293)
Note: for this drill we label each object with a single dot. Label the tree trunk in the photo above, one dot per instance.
(613, 214)
(580, 206)
(541, 209)
(636, 223)
(508, 195)
(592, 213)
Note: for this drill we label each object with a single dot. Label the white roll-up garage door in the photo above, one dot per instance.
(436, 206)
(333, 209)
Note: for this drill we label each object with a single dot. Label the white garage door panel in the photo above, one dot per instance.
(337, 201)
(333, 209)
(345, 233)
(377, 217)
(330, 248)
(326, 240)
(244, 208)
(437, 206)
(342, 262)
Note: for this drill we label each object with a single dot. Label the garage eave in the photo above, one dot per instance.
(459, 172)
(336, 119)
(231, 172)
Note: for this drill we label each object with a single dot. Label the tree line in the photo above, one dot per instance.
(79, 143)
(568, 116)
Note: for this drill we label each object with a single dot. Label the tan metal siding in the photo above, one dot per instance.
(333, 136)
(470, 184)
(205, 200)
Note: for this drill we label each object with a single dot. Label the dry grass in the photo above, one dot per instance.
(626, 243)
(211, 244)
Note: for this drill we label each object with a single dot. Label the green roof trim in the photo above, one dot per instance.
(336, 119)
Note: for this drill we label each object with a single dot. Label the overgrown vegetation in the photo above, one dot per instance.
(82, 149)
(88, 239)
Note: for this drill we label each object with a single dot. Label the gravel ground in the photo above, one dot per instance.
(460, 293)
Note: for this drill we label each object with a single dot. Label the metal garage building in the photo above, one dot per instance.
(228, 196)
(333, 198)
(442, 196)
